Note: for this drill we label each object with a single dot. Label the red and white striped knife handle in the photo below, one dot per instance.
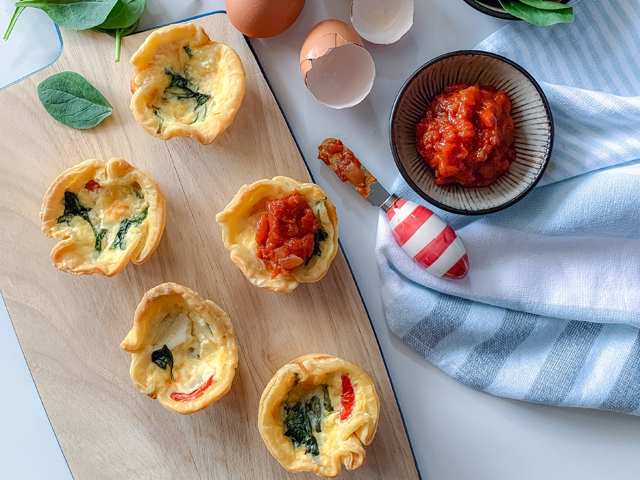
(427, 239)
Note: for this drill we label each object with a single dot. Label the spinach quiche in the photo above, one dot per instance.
(280, 232)
(316, 413)
(184, 349)
(185, 84)
(105, 215)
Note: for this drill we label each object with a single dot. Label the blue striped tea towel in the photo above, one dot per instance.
(550, 311)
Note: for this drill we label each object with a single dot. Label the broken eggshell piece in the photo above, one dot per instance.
(336, 68)
(382, 21)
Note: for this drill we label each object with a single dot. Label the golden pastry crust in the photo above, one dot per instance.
(202, 342)
(186, 85)
(238, 221)
(340, 439)
(113, 194)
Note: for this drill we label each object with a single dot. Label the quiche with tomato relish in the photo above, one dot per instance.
(316, 413)
(280, 232)
(184, 349)
(185, 84)
(105, 215)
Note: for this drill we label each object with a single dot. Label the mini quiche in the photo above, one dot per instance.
(316, 413)
(280, 232)
(184, 349)
(106, 214)
(186, 85)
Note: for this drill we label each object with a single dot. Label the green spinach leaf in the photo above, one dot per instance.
(122, 21)
(538, 16)
(124, 14)
(74, 208)
(121, 237)
(187, 49)
(180, 88)
(13, 21)
(73, 14)
(304, 419)
(118, 34)
(318, 236)
(163, 358)
(327, 400)
(72, 100)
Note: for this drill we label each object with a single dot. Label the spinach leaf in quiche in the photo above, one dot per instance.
(121, 241)
(318, 236)
(74, 208)
(73, 101)
(187, 49)
(180, 88)
(163, 358)
(304, 419)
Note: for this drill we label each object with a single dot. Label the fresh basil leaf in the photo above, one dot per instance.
(163, 358)
(118, 34)
(124, 14)
(537, 16)
(73, 101)
(73, 14)
(13, 21)
(545, 4)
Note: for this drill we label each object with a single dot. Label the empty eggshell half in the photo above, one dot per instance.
(336, 68)
(382, 21)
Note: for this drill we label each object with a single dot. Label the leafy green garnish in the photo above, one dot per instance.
(99, 238)
(187, 49)
(73, 101)
(121, 237)
(539, 12)
(327, 400)
(318, 236)
(156, 112)
(117, 18)
(118, 34)
(304, 419)
(180, 88)
(74, 208)
(71, 14)
(13, 21)
(163, 358)
(123, 20)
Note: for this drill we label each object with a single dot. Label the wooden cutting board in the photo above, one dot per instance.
(70, 327)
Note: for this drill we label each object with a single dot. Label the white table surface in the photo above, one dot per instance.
(456, 433)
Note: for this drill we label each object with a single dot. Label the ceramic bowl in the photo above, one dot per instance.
(532, 120)
(493, 8)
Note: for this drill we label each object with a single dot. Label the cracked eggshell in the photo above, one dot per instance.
(336, 68)
(382, 21)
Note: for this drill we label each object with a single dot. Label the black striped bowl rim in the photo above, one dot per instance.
(532, 120)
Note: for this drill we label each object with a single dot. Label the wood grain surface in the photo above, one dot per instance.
(70, 327)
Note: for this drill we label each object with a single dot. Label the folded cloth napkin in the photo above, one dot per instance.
(550, 311)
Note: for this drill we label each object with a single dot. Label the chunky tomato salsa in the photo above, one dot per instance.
(467, 136)
(285, 234)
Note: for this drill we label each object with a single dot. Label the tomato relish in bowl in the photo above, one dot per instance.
(467, 135)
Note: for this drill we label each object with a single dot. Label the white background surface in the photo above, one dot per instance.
(456, 433)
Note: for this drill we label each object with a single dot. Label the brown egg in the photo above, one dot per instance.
(263, 18)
